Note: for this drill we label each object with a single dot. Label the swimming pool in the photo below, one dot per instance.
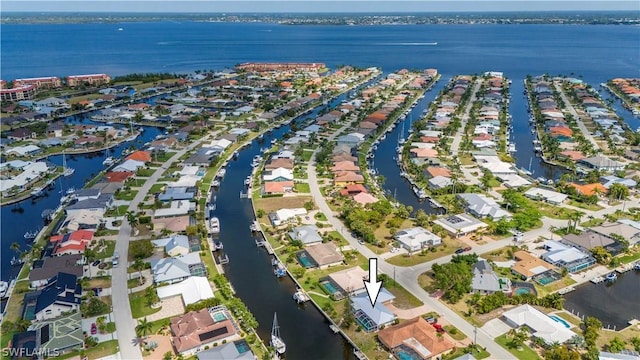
(522, 291)
(561, 321)
(329, 287)
(241, 346)
(305, 261)
(405, 355)
(201, 173)
(219, 316)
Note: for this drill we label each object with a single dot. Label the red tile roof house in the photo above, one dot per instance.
(195, 330)
(429, 139)
(573, 155)
(140, 155)
(345, 166)
(277, 187)
(343, 157)
(72, 243)
(353, 189)
(280, 163)
(139, 107)
(344, 178)
(418, 337)
(423, 153)
(119, 176)
(433, 171)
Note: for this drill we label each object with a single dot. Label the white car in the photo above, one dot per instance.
(360, 241)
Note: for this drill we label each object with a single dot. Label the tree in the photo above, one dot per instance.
(132, 218)
(560, 352)
(590, 330)
(93, 307)
(143, 328)
(15, 247)
(601, 255)
(151, 296)
(618, 191)
(101, 322)
(635, 341)
(309, 205)
(347, 316)
(520, 336)
(139, 265)
(616, 345)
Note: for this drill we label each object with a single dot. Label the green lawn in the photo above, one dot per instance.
(107, 250)
(306, 155)
(139, 307)
(302, 188)
(454, 332)
(156, 188)
(404, 299)
(126, 195)
(145, 172)
(629, 258)
(419, 257)
(525, 354)
(478, 354)
(117, 211)
(103, 349)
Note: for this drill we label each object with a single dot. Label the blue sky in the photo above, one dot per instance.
(311, 5)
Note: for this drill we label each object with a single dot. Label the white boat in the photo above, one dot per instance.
(4, 286)
(37, 192)
(300, 297)
(218, 245)
(30, 235)
(214, 224)
(247, 181)
(66, 171)
(276, 341)
(215, 183)
(222, 172)
(637, 266)
(611, 276)
(511, 148)
(108, 161)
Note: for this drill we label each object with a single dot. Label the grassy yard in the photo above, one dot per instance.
(156, 188)
(306, 155)
(554, 286)
(454, 332)
(104, 282)
(632, 257)
(139, 307)
(477, 353)
(103, 349)
(302, 188)
(570, 318)
(117, 211)
(581, 205)
(126, 195)
(142, 172)
(404, 299)
(524, 354)
(449, 247)
(277, 203)
(502, 254)
(107, 250)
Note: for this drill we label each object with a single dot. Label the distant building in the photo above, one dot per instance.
(39, 82)
(26, 92)
(92, 79)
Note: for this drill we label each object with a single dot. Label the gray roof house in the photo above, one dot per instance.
(237, 350)
(176, 269)
(486, 281)
(374, 317)
(440, 182)
(307, 234)
(601, 162)
(177, 193)
(174, 245)
(482, 206)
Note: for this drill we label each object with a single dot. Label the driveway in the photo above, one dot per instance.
(495, 328)
(86, 327)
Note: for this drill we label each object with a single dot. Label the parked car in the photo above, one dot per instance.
(96, 263)
(94, 329)
(459, 250)
(360, 241)
(468, 248)
(431, 320)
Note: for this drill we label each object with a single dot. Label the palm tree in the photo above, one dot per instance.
(15, 247)
(143, 328)
(139, 265)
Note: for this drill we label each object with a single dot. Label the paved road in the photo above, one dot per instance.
(125, 324)
(587, 134)
(455, 145)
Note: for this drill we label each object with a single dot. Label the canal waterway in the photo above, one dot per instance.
(303, 328)
(614, 304)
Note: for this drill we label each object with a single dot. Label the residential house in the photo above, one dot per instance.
(482, 206)
(24, 150)
(609, 180)
(56, 336)
(486, 281)
(192, 290)
(460, 224)
(277, 187)
(176, 208)
(279, 174)
(348, 281)
(322, 255)
(279, 163)
(364, 198)
(71, 243)
(21, 134)
(567, 257)
(440, 182)
(140, 155)
(353, 189)
(622, 228)
(345, 166)
(344, 178)
(373, 318)
(587, 240)
(417, 338)
(528, 265)
(417, 238)
(175, 245)
(61, 295)
(129, 166)
(178, 193)
(282, 216)
(237, 350)
(178, 268)
(197, 330)
(552, 197)
(435, 171)
(601, 162)
(539, 324)
(44, 270)
(306, 234)
(590, 189)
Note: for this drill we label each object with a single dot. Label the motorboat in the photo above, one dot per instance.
(4, 286)
(612, 276)
(214, 224)
(30, 235)
(109, 161)
(37, 192)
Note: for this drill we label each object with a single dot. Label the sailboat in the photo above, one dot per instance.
(109, 160)
(276, 340)
(66, 171)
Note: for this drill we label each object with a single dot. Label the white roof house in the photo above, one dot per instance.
(30, 172)
(440, 182)
(192, 290)
(416, 238)
(279, 174)
(189, 170)
(174, 245)
(283, 215)
(307, 234)
(174, 269)
(549, 196)
(482, 206)
(350, 280)
(460, 224)
(513, 180)
(568, 257)
(220, 144)
(540, 324)
(185, 181)
(128, 165)
(177, 208)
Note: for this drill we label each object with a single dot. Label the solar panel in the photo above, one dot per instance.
(213, 333)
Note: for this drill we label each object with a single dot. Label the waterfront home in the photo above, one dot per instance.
(344, 166)
(192, 290)
(322, 256)
(279, 163)
(30, 172)
(539, 324)
(460, 224)
(285, 154)
(171, 224)
(587, 240)
(56, 336)
(348, 281)
(343, 178)
(417, 338)
(351, 140)
(197, 330)
(343, 156)
(416, 239)
(21, 134)
(567, 257)
(176, 208)
(140, 155)
(26, 150)
(282, 216)
(552, 197)
(373, 318)
(44, 270)
(83, 219)
(440, 182)
(237, 350)
(175, 245)
(119, 176)
(528, 265)
(353, 189)
(175, 269)
(96, 205)
(623, 227)
(602, 163)
(573, 155)
(434, 171)
(277, 187)
(178, 193)
(364, 198)
(494, 165)
(71, 243)
(423, 153)
(279, 174)
(203, 157)
(61, 295)
(483, 206)
(513, 181)
(486, 281)
(129, 166)
(306, 234)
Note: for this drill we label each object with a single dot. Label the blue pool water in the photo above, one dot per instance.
(404, 355)
(242, 347)
(522, 290)
(305, 261)
(201, 173)
(329, 287)
(219, 317)
(561, 320)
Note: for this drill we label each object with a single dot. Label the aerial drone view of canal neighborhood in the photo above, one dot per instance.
(314, 210)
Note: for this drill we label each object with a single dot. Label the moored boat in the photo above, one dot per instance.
(276, 341)
(214, 224)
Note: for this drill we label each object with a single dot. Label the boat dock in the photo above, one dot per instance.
(597, 279)
(624, 268)
(566, 290)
